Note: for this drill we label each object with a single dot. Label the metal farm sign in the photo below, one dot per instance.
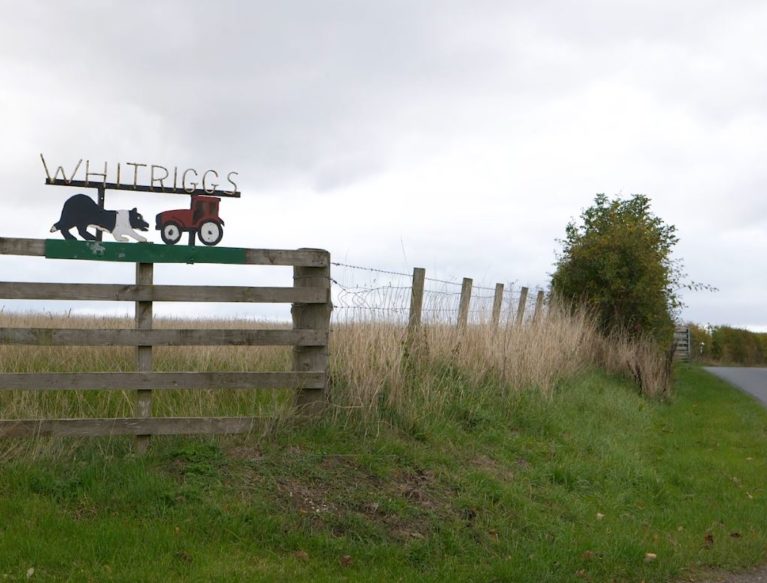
(201, 220)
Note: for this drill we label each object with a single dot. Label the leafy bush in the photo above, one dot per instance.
(618, 261)
(728, 345)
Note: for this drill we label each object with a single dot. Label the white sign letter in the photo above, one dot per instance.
(234, 185)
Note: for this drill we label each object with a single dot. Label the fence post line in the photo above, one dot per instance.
(416, 297)
(497, 302)
(143, 321)
(538, 305)
(314, 317)
(521, 306)
(463, 306)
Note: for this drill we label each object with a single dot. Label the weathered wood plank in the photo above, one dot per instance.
(159, 293)
(497, 303)
(537, 313)
(11, 246)
(127, 426)
(158, 253)
(124, 337)
(521, 306)
(298, 258)
(143, 320)
(161, 380)
(463, 305)
(316, 317)
(416, 297)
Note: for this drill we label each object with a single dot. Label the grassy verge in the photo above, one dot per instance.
(579, 485)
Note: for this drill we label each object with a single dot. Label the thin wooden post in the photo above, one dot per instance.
(416, 297)
(510, 308)
(497, 302)
(143, 318)
(538, 305)
(521, 306)
(314, 317)
(463, 306)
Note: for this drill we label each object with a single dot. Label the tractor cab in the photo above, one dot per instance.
(204, 207)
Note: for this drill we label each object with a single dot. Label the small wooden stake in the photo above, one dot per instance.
(463, 307)
(538, 305)
(521, 306)
(497, 303)
(416, 297)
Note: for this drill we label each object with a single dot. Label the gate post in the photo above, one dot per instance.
(314, 317)
(143, 409)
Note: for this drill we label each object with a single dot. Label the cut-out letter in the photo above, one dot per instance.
(212, 186)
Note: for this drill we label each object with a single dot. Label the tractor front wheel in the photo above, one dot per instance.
(210, 233)
(171, 233)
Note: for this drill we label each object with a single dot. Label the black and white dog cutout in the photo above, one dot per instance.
(81, 211)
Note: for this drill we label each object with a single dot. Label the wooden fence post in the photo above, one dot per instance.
(143, 321)
(497, 303)
(521, 306)
(416, 297)
(314, 317)
(463, 306)
(510, 307)
(538, 305)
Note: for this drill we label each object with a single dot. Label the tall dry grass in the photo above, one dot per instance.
(379, 368)
(641, 360)
(73, 404)
(378, 365)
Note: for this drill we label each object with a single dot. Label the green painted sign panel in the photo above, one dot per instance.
(141, 252)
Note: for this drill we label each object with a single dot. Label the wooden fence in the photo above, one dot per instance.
(682, 345)
(311, 308)
(417, 294)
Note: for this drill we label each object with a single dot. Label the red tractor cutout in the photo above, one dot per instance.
(201, 219)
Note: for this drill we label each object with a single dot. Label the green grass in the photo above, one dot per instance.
(579, 486)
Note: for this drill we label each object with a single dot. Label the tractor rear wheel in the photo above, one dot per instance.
(210, 233)
(171, 233)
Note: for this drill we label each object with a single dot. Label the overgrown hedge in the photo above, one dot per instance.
(727, 345)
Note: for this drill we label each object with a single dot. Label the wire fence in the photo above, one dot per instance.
(366, 293)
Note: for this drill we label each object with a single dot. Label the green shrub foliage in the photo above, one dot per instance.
(618, 261)
(728, 345)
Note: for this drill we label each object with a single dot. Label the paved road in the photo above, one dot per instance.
(751, 380)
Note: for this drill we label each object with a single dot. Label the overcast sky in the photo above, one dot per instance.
(457, 136)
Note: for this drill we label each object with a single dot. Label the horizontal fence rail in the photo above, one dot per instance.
(119, 381)
(311, 308)
(152, 253)
(159, 293)
(195, 337)
(128, 426)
